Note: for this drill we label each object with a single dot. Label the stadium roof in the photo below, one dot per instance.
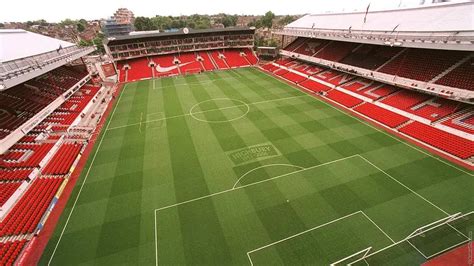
(444, 17)
(155, 34)
(17, 44)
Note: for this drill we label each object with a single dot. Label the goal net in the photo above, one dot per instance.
(192, 71)
(424, 242)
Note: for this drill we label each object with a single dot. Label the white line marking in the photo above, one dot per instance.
(405, 240)
(419, 251)
(266, 180)
(229, 107)
(403, 185)
(211, 110)
(230, 190)
(300, 233)
(368, 124)
(364, 253)
(141, 119)
(156, 242)
(449, 248)
(414, 192)
(193, 83)
(263, 166)
(381, 230)
(87, 175)
(250, 259)
(319, 226)
(254, 183)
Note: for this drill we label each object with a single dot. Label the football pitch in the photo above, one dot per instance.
(239, 168)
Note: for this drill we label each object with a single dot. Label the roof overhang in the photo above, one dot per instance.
(17, 44)
(150, 35)
(25, 55)
(438, 26)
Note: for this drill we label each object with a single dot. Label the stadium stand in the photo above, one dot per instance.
(460, 77)
(463, 122)
(62, 161)
(371, 89)
(460, 147)
(234, 58)
(165, 65)
(412, 63)
(270, 67)
(42, 115)
(19, 104)
(207, 63)
(308, 69)
(295, 44)
(189, 63)
(381, 115)
(291, 76)
(311, 46)
(25, 216)
(12, 174)
(253, 60)
(218, 60)
(138, 69)
(37, 151)
(405, 99)
(436, 108)
(184, 63)
(344, 99)
(421, 105)
(6, 190)
(447, 67)
(10, 250)
(43, 158)
(370, 56)
(336, 51)
(314, 86)
(334, 77)
(281, 72)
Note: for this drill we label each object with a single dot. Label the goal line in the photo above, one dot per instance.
(365, 254)
(192, 71)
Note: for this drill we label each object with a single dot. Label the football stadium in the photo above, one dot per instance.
(354, 145)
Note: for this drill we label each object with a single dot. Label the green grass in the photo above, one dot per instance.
(318, 185)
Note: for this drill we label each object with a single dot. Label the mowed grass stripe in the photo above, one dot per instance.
(242, 221)
(275, 228)
(237, 143)
(338, 134)
(123, 211)
(186, 166)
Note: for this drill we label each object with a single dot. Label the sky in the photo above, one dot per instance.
(56, 10)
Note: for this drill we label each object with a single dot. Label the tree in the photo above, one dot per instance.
(98, 41)
(143, 24)
(80, 27)
(286, 20)
(85, 43)
(67, 22)
(267, 19)
(228, 20)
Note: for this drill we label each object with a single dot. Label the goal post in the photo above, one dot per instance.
(367, 253)
(360, 255)
(192, 71)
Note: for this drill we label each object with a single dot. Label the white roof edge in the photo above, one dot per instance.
(18, 44)
(441, 17)
(426, 6)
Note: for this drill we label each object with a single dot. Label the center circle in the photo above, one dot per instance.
(193, 113)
